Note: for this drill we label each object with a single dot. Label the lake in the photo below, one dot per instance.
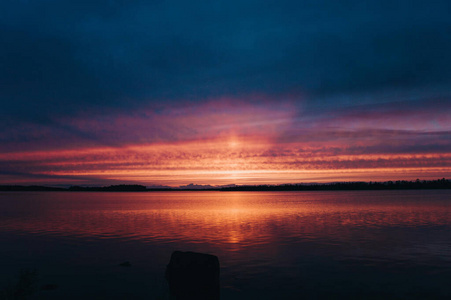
(271, 245)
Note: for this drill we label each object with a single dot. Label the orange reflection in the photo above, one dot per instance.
(233, 220)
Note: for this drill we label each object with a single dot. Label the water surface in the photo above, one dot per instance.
(287, 245)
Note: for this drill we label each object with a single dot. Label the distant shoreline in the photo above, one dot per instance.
(338, 186)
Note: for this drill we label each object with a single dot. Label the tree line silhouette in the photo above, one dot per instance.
(387, 185)
(337, 186)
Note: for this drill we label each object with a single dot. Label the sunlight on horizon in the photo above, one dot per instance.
(229, 160)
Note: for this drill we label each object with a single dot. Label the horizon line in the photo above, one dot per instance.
(389, 184)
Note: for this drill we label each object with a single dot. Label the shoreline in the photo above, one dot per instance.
(338, 186)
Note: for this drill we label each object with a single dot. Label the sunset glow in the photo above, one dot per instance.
(320, 155)
(218, 95)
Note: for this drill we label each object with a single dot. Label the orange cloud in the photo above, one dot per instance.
(228, 141)
(232, 159)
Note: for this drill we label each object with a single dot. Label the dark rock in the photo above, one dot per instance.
(125, 264)
(192, 275)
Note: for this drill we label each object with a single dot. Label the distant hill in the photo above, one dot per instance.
(387, 185)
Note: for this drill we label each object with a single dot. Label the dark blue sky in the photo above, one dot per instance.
(69, 69)
(60, 56)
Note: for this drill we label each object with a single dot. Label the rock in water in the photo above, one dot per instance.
(193, 275)
(125, 264)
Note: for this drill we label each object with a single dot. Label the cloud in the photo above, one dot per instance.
(254, 115)
(60, 57)
(328, 78)
(224, 161)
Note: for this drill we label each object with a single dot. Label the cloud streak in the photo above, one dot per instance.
(224, 91)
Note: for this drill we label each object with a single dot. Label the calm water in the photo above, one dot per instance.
(271, 245)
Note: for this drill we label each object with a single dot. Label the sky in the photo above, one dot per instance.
(167, 93)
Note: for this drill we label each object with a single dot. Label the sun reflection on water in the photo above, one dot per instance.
(225, 219)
